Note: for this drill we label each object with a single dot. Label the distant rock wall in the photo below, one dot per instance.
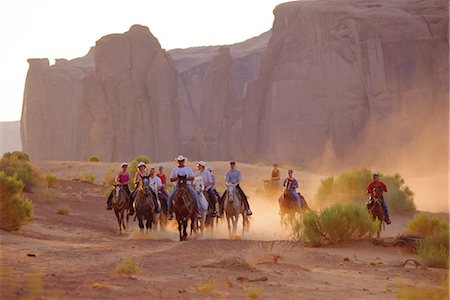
(333, 83)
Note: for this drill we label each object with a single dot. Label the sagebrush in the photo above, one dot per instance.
(15, 209)
(334, 224)
(18, 164)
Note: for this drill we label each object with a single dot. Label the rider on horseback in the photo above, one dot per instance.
(140, 174)
(161, 190)
(181, 170)
(161, 175)
(207, 181)
(275, 174)
(234, 176)
(291, 184)
(371, 191)
(213, 185)
(122, 178)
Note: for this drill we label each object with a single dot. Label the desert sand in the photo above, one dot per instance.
(75, 256)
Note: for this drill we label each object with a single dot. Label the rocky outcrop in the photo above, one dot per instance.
(342, 81)
(333, 83)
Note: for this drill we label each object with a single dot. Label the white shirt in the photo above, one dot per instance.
(157, 180)
(184, 171)
(206, 177)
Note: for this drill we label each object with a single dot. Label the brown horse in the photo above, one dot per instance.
(144, 204)
(120, 205)
(184, 207)
(288, 205)
(376, 209)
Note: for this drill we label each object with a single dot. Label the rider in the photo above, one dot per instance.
(234, 176)
(207, 181)
(161, 175)
(213, 185)
(181, 170)
(122, 178)
(158, 182)
(140, 173)
(292, 183)
(371, 191)
(275, 174)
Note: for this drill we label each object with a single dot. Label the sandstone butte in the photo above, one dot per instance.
(332, 83)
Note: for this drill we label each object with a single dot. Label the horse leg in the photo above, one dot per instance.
(235, 224)
(141, 224)
(229, 225)
(118, 220)
(184, 229)
(179, 230)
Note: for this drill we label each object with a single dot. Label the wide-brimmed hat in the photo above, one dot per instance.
(124, 164)
(180, 158)
(232, 162)
(202, 163)
(142, 164)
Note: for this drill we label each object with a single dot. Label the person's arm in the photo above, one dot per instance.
(295, 184)
(116, 179)
(172, 176)
(239, 177)
(384, 187)
(136, 177)
(227, 178)
(369, 189)
(190, 175)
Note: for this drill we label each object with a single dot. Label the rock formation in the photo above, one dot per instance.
(333, 83)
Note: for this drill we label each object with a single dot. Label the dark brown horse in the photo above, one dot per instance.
(119, 204)
(288, 205)
(145, 204)
(376, 209)
(184, 207)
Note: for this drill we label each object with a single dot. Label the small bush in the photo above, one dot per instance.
(350, 187)
(94, 158)
(335, 224)
(15, 209)
(253, 292)
(426, 225)
(48, 194)
(63, 210)
(434, 250)
(128, 266)
(51, 180)
(142, 158)
(17, 164)
(420, 293)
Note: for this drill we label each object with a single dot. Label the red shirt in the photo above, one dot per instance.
(374, 184)
(163, 178)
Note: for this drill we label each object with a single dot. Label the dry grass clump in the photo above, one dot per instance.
(419, 293)
(63, 210)
(48, 194)
(51, 180)
(85, 177)
(128, 266)
(253, 292)
(94, 158)
(208, 286)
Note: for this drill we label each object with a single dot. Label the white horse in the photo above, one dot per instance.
(234, 206)
(156, 220)
(204, 204)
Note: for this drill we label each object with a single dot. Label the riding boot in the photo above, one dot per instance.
(157, 210)
(108, 202)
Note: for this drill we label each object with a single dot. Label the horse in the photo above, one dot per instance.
(234, 206)
(184, 207)
(271, 187)
(204, 205)
(120, 205)
(376, 209)
(144, 204)
(288, 205)
(161, 217)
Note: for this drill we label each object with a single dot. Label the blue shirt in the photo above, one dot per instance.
(294, 183)
(233, 176)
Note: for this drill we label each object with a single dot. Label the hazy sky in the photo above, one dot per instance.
(68, 28)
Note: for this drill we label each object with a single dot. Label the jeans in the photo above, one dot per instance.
(172, 193)
(296, 197)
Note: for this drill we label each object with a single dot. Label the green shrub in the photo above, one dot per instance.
(94, 158)
(17, 164)
(350, 187)
(426, 225)
(51, 180)
(128, 266)
(15, 209)
(142, 158)
(335, 224)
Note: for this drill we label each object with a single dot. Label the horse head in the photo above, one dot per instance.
(231, 192)
(198, 184)
(182, 180)
(144, 186)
